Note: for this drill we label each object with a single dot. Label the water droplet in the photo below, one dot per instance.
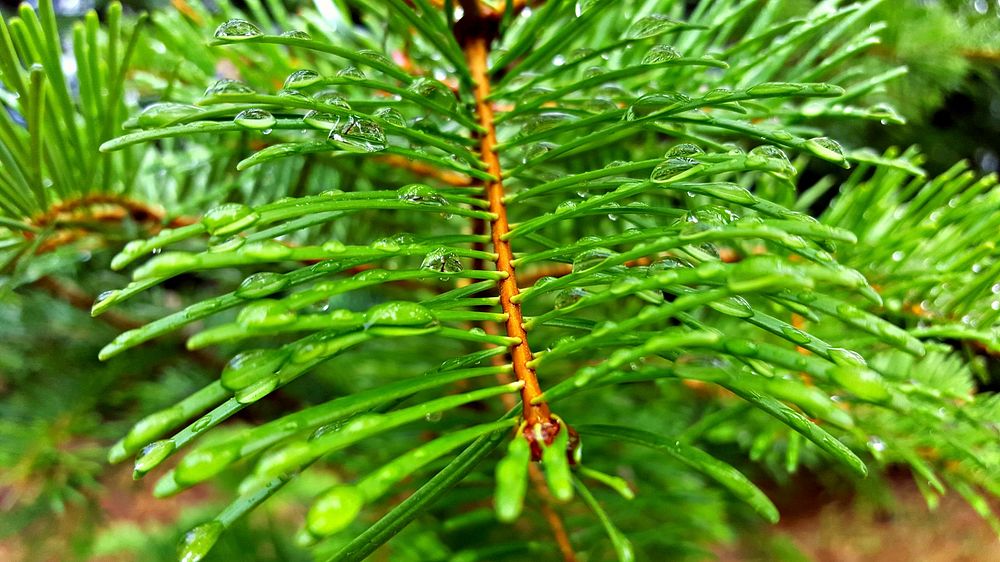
(670, 168)
(772, 159)
(321, 120)
(733, 306)
(257, 390)
(332, 98)
(197, 542)
(876, 444)
(826, 148)
(670, 263)
(885, 113)
(566, 206)
(795, 335)
(600, 104)
(709, 216)
(404, 238)
(399, 318)
(745, 348)
(136, 247)
(536, 150)
(204, 462)
(807, 297)
(391, 116)
(846, 357)
(684, 150)
(220, 244)
(372, 275)
(255, 118)
(359, 135)
(265, 313)
(625, 286)
(296, 34)
(568, 297)
(545, 121)
(863, 383)
(307, 352)
(301, 79)
(590, 258)
(153, 426)
(152, 455)
(769, 151)
(265, 250)
(661, 53)
(433, 90)
(165, 113)
(442, 260)
(613, 92)
(375, 56)
(227, 86)
(898, 256)
(543, 281)
(352, 73)
(106, 295)
(237, 30)
(421, 194)
(653, 103)
(202, 424)
(334, 510)
(333, 247)
(650, 26)
(261, 284)
(386, 244)
(250, 366)
(295, 94)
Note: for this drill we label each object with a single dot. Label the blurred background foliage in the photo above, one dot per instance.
(60, 408)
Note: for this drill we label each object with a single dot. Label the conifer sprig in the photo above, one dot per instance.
(638, 151)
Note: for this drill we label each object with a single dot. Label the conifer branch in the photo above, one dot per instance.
(708, 280)
(535, 475)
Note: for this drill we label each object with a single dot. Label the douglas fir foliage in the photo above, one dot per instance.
(544, 263)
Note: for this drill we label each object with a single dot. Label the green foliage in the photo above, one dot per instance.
(687, 312)
(949, 50)
(53, 156)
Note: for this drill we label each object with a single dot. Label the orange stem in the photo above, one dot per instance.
(476, 51)
(550, 514)
(74, 219)
(421, 169)
(103, 207)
